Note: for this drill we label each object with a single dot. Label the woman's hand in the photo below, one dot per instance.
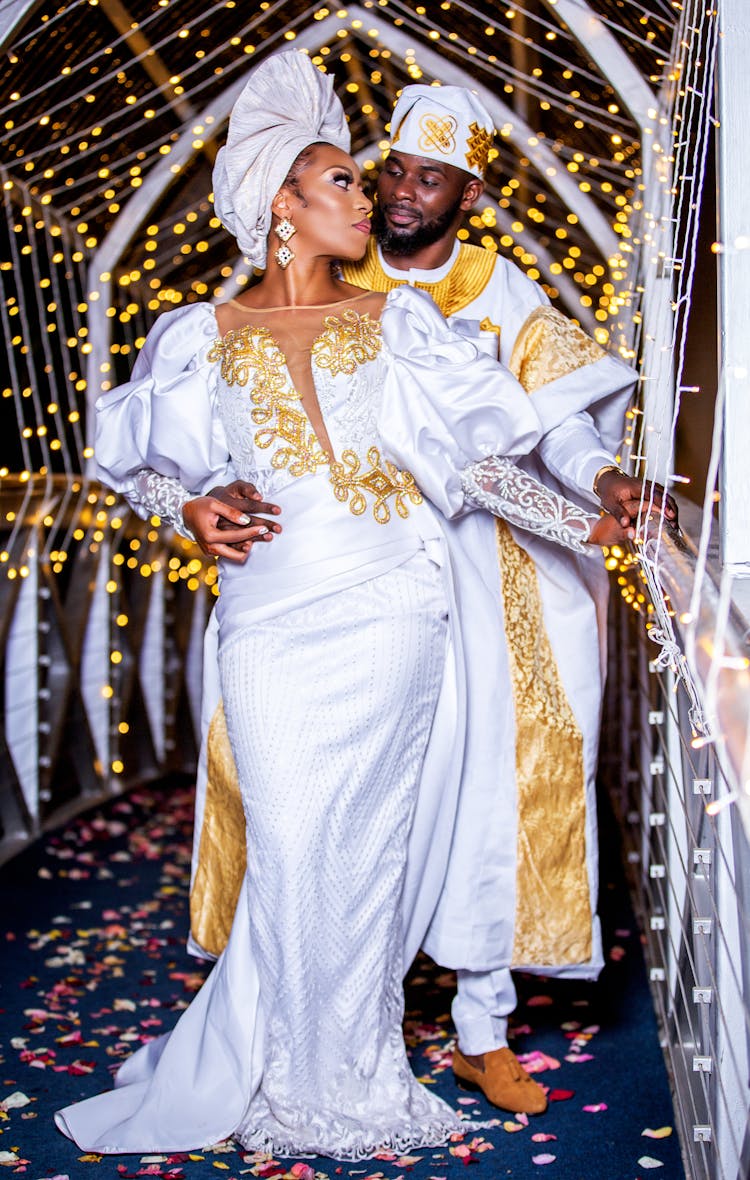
(222, 524)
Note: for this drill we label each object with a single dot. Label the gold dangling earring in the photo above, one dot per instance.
(284, 230)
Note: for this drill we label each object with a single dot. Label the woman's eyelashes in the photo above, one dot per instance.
(344, 179)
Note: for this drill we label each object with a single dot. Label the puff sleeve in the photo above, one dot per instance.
(445, 404)
(164, 419)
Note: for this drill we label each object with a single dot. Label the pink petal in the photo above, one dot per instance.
(537, 1061)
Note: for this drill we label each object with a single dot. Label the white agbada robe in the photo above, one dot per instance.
(473, 928)
(432, 404)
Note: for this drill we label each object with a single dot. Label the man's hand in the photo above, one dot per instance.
(609, 531)
(229, 520)
(622, 495)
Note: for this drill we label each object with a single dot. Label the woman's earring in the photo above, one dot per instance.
(285, 230)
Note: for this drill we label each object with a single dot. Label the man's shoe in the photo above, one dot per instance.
(503, 1081)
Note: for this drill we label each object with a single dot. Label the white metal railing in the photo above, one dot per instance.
(689, 867)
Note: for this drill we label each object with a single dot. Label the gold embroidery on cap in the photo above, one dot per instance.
(397, 133)
(479, 144)
(346, 342)
(382, 481)
(438, 133)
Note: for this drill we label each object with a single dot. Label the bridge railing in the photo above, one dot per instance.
(102, 620)
(685, 840)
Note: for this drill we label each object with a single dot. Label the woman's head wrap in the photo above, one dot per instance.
(286, 105)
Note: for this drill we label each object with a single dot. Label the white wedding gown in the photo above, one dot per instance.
(356, 698)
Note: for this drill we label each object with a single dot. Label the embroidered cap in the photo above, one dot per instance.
(447, 123)
(286, 105)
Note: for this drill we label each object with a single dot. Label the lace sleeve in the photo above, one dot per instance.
(160, 495)
(503, 489)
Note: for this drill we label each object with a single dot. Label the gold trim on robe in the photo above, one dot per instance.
(553, 905)
(550, 346)
(222, 856)
(553, 924)
(467, 278)
(553, 901)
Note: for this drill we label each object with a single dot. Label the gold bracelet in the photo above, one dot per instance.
(601, 472)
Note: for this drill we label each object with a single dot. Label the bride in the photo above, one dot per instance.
(356, 686)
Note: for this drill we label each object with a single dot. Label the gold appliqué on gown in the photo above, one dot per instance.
(383, 481)
(347, 341)
(276, 403)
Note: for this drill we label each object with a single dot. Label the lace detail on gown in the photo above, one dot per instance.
(162, 496)
(503, 489)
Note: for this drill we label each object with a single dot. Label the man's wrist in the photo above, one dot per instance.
(603, 471)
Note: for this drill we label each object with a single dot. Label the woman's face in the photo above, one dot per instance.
(328, 206)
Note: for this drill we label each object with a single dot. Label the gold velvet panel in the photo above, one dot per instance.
(553, 909)
(553, 904)
(467, 278)
(222, 855)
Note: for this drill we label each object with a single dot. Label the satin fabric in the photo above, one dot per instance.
(192, 1087)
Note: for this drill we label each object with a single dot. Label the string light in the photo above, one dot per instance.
(70, 173)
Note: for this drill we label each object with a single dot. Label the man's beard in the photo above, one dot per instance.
(404, 242)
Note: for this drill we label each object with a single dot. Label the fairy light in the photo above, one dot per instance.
(71, 179)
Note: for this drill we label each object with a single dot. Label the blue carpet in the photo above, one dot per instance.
(93, 926)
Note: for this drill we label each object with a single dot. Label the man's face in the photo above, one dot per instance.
(419, 202)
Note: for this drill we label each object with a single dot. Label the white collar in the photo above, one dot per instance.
(414, 275)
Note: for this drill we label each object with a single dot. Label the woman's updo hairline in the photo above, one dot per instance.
(301, 162)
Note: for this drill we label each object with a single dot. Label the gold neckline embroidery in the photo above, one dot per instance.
(355, 333)
(254, 352)
(346, 341)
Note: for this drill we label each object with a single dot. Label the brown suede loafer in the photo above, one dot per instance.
(503, 1081)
